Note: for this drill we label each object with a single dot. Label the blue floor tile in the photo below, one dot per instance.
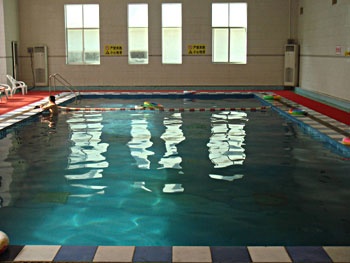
(10, 253)
(230, 254)
(75, 254)
(153, 254)
(308, 254)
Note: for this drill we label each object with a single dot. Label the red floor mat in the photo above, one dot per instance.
(329, 111)
(18, 100)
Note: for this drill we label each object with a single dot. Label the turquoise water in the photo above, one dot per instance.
(161, 178)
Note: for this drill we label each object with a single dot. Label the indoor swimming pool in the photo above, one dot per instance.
(170, 178)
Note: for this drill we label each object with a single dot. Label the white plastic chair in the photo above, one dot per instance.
(6, 89)
(17, 85)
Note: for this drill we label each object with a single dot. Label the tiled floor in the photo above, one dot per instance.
(17, 115)
(193, 254)
(332, 129)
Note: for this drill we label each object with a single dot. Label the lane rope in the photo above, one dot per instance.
(262, 108)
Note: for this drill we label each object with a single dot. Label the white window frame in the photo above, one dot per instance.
(83, 29)
(138, 33)
(172, 33)
(227, 24)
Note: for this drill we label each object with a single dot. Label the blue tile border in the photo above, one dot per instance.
(75, 254)
(153, 254)
(11, 253)
(230, 255)
(308, 254)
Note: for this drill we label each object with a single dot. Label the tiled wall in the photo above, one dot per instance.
(322, 30)
(268, 31)
(324, 35)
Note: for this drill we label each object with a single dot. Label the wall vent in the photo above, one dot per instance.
(138, 54)
(40, 65)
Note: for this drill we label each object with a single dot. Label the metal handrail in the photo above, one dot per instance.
(53, 78)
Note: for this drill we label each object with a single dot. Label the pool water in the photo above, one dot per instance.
(150, 178)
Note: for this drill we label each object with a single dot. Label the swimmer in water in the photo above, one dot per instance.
(52, 107)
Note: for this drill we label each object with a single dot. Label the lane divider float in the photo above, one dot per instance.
(346, 141)
(262, 108)
(297, 112)
(272, 97)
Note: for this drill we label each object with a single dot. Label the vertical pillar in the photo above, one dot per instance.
(3, 65)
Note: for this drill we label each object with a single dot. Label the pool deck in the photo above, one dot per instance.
(20, 107)
(200, 254)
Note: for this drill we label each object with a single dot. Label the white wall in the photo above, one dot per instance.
(2, 45)
(323, 30)
(268, 30)
(9, 31)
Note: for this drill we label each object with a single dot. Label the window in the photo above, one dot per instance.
(138, 33)
(172, 33)
(229, 32)
(82, 34)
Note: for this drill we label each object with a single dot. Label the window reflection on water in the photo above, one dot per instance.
(227, 139)
(87, 160)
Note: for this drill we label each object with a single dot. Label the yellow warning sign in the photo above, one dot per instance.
(113, 50)
(196, 49)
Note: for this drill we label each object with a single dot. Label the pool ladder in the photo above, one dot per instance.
(57, 78)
